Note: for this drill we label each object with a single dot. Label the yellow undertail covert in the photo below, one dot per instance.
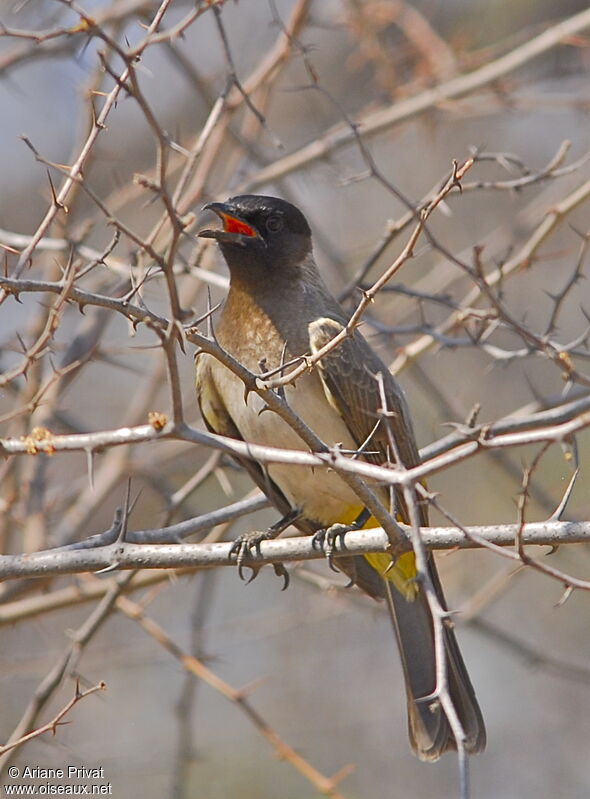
(402, 574)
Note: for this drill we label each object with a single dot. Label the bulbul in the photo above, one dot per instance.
(279, 309)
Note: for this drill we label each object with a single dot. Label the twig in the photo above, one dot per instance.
(376, 122)
(66, 664)
(325, 785)
(52, 725)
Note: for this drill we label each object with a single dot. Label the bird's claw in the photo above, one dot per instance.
(248, 543)
(328, 539)
(280, 571)
(242, 549)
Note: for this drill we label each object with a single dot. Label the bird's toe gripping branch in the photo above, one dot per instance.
(330, 539)
(247, 543)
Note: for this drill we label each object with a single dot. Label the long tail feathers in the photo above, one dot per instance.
(429, 729)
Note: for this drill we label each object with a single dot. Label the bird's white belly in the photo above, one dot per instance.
(319, 493)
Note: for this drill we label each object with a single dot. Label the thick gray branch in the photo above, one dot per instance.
(125, 556)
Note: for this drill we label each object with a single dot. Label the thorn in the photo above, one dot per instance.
(107, 569)
(569, 590)
(126, 512)
(248, 689)
(473, 414)
(56, 202)
(559, 510)
(90, 466)
(342, 774)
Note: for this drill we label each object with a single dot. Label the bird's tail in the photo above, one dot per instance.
(429, 728)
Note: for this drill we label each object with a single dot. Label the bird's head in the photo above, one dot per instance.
(260, 235)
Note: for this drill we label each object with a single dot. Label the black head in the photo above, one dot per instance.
(260, 235)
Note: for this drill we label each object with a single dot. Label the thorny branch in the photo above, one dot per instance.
(325, 785)
(125, 556)
(52, 725)
(124, 253)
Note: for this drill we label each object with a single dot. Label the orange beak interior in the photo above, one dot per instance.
(233, 225)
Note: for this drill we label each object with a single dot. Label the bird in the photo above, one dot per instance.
(278, 309)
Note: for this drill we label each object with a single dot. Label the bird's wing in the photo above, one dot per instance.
(361, 389)
(349, 374)
(218, 420)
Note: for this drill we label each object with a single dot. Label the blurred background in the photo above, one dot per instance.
(319, 663)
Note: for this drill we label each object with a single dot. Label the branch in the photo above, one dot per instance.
(64, 665)
(86, 590)
(41, 440)
(125, 556)
(379, 121)
(77, 167)
(521, 260)
(325, 785)
(52, 725)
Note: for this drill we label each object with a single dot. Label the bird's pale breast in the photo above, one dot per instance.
(319, 493)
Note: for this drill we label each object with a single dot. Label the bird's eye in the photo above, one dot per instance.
(274, 223)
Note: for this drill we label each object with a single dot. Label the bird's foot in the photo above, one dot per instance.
(245, 545)
(249, 543)
(329, 539)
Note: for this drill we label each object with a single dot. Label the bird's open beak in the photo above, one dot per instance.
(235, 230)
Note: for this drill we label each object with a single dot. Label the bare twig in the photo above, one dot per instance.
(325, 785)
(55, 722)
